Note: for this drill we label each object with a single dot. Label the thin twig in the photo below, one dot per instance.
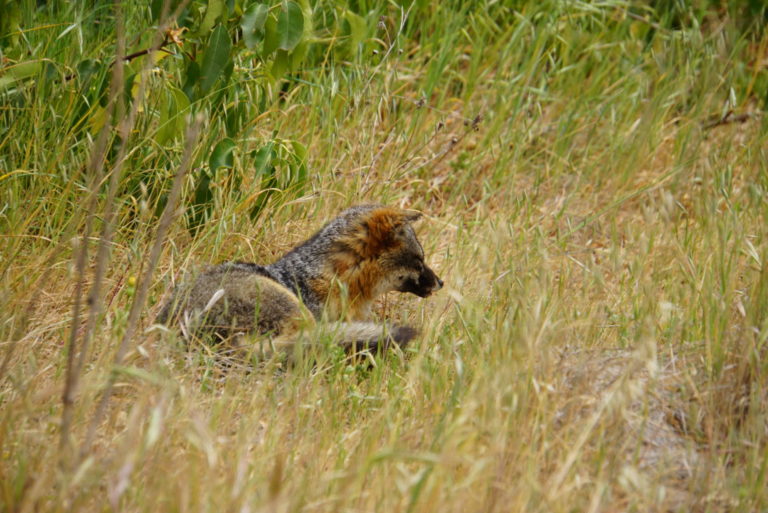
(146, 279)
(727, 119)
(418, 150)
(472, 126)
(134, 55)
(128, 58)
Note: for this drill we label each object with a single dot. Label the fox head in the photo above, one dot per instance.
(386, 255)
(410, 272)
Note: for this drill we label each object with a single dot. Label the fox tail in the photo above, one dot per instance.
(366, 336)
(353, 337)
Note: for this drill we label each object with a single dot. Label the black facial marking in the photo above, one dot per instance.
(422, 286)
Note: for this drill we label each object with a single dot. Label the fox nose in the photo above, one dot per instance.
(439, 284)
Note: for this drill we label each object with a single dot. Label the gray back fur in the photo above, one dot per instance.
(304, 263)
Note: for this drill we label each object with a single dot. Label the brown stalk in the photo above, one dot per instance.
(125, 128)
(96, 170)
(145, 280)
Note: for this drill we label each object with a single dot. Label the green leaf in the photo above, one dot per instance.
(280, 64)
(290, 26)
(271, 36)
(191, 78)
(156, 8)
(10, 23)
(239, 113)
(216, 58)
(262, 158)
(222, 155)
(165, 127)
(202, 202)
(300, 171)
(263, 169)
(87, 71)
(299, 150)
(358, 29)
(252, 24)
(212, 14)
(182, 103)
(19, 72)
(298, 55)
(172, 115)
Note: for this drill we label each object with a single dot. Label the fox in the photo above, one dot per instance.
(331, 280)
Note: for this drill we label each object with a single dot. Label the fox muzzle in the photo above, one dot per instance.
(423, 286)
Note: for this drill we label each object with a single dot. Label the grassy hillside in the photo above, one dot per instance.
(594, 178)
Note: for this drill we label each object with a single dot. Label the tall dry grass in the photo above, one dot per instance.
(594, 184)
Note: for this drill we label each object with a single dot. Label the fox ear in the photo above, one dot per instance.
(377, 231)
(409, 216)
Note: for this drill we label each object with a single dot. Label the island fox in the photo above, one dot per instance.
(333, 277)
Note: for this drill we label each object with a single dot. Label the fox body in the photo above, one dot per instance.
(335, 276)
